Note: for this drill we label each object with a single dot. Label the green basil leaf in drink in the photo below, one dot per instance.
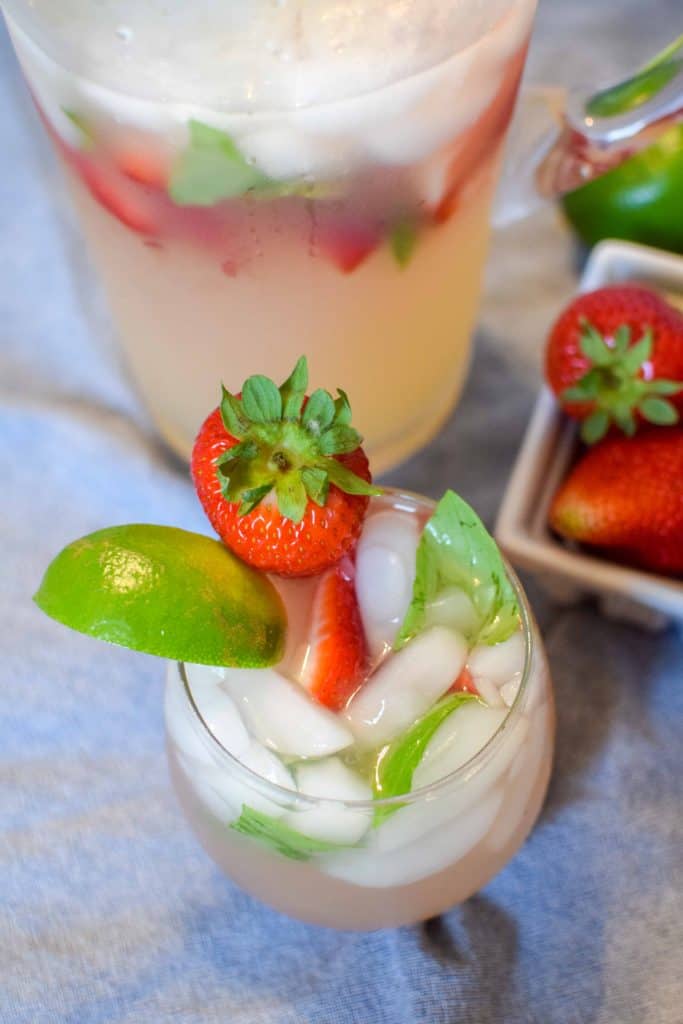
(278, 837)
(168, 592)
(86, 138)
(211, 168)
(403, 239)
(396, 764)
(456, 549)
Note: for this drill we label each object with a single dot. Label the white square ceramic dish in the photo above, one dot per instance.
(548, 448)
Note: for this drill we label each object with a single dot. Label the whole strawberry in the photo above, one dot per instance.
(625, 496)
(615, 356)
(282, 476)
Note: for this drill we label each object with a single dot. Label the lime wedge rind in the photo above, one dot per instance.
(167, 592)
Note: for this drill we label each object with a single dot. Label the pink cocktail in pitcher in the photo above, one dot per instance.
(259, 180)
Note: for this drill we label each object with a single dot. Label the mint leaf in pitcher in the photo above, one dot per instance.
(211, 168)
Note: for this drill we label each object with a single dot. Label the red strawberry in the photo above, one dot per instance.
(346, 244)
(625, 495)
(122, 198)
(616, 355)
(143, 164)
(464, 683)
(283, 478)
(338, 656)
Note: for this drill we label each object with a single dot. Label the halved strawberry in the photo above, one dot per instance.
(338, 658)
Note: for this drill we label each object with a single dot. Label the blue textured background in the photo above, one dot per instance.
(108, 909)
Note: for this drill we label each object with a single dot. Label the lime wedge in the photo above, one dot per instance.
(167, 592)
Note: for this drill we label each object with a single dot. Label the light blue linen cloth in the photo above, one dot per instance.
(109, 911)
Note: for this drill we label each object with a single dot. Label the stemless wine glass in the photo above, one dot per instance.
(440, 844)
(260, 180)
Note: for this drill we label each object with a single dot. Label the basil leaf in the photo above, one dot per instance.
(456, 549)
(279, 837)
(397, 762)
(211, 168)
(85, 134)
(403, 239)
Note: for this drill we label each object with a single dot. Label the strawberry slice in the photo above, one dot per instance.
(143, 165)
(127, 201)
(464, 684)
(339, 654)
(346, 244)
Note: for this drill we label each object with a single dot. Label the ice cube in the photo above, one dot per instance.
(405, 686)
(385, 570)
(509, 690)
(281, 715)
(489, 693)
(453, 799)
(331, 780)
(426, 855)
(217, 708)
(453, 608)
(225, 790)
(498, 662)
(459, 738)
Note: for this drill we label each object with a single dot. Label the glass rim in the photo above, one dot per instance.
(422, 792)
(31, 24)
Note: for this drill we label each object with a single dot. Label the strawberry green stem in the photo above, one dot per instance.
(287, 444)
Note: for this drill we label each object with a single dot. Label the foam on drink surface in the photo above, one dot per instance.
(303, 89)
(261, 54)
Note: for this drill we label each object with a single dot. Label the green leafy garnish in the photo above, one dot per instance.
(403, 239)
(615, 386)
(279, 837)
(396, 764)
(287, 445)
(85, 133)
(211, 168)
(168, 592)
(456, 549)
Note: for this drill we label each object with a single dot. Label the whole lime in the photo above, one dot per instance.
(640, 201)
